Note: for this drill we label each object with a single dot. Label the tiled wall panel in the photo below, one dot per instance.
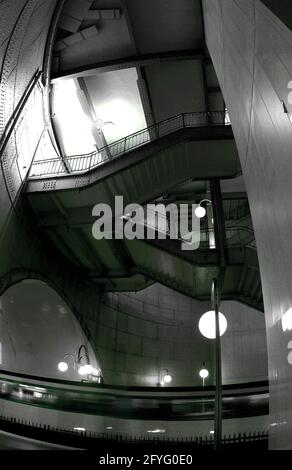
(252, 53)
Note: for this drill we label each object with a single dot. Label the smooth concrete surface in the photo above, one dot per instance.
(37, 330)
(141, 334)
(137, 337)
(184, 80)
(251, 51)
(12, 442)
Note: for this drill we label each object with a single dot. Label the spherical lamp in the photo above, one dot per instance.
(200, 212)
(207, 325)
(63, 366)
(167, 379)
(204, 374)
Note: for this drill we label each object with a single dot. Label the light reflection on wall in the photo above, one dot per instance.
(72, 125)
(115, 97)
(287, 320)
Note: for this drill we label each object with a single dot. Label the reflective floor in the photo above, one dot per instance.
(11, 442)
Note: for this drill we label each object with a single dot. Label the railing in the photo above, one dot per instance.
(82, 163)
(163, 224)
(85, 439)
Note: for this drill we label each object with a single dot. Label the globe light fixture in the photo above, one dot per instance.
(81, 363)
(200, 211)
(168, 379)
(204, 374)
(207, 325)
(63, 366)
(165, 377)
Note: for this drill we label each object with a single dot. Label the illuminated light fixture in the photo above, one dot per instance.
(207, 325)
(212, 432)
(200, 211)
(63, 366)
(79, 429)
(204, 374)
(287, 320)
(37, 395)
(109, 427)
(85, 370)
(80, 362)
(166, 378)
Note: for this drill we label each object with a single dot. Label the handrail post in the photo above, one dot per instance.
(91, 156)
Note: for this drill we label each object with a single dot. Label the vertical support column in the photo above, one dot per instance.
(218, 368)
(219, 223)
(220, 237)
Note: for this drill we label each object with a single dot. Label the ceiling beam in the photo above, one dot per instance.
(142, 79)
(142, 60)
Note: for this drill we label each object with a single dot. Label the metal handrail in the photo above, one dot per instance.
(74, 437)
(78, 164)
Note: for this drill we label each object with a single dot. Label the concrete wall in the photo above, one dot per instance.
(176, 88)
(252, 53)
(141, 334)
(137, 336)
(37, 330)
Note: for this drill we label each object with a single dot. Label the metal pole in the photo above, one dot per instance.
(218, 369)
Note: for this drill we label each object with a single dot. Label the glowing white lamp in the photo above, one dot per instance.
(63, 366)
(207, 325)
(167, 379)
(85, 370)
(204, 374)
(200, 212)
